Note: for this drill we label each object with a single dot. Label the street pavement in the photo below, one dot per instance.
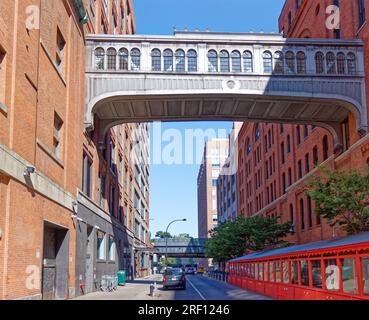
(199, 287)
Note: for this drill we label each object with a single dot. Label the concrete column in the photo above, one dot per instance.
(202, 57)
(257, 58)
(145, 56)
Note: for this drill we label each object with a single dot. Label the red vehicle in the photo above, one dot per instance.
(336, 269)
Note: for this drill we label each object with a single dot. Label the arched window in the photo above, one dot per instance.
(236, 61)
(168, 60)
(257, 132)
(192, 61)
(180, 61)
(249, 148)
(155, 60)
(278, 63)
(301, 62)
(341, 63)
(302, 214)
(331, 63)
(351, 63)
(248, 66)
(290, 62)
(99, 58)
(292, 218)
(319, 63)
(112, 58)
(135, 59)
(267, 62)
(224, 61)
(123, 59)
(212, 61)
(325, 148)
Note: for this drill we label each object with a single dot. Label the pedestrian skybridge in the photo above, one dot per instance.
(225, 76)
(180, 248)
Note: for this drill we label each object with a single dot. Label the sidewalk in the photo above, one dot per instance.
(137, 289)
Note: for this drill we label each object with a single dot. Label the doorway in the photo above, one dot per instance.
(89, 263)
(55, 263)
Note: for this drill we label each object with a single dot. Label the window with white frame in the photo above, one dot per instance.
(111, 249)
(101, 246)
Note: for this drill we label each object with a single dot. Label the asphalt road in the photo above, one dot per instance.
(202, 288)
(198, 288)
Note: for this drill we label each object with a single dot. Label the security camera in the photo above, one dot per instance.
(29, 170)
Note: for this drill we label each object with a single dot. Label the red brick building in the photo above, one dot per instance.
(276, 161)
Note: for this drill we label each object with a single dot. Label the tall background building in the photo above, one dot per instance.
(215, 154)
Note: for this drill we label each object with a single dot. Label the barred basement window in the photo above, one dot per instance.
(135, 59)
(212, 61)
(180, 61)
(341, 63)
(155, 60)
(168, 60)
(112, 58)
(224, 61)
(192, 61)
(247, 62)
(236, 61)
(99, 58)
(319, 63)
(123, 59)
(278, 63)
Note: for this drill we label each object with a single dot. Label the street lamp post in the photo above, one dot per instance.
(166, 239)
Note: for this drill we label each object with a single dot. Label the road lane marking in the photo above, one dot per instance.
(198, 292)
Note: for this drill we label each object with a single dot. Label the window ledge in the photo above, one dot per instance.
(3, 108)
(53, 156)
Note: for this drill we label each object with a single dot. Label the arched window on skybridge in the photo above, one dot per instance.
(192, 61)
(224, 61)
(319, 63)
(236, 61)
(341, 63)
(212, 61)
(248, 65)
(180, 60)
(351, 63)
(135, 59)
(331, 63)
(123, 59)
(112, 58)
(99, 58)
(168, 60)
(155, 60)
(301, 62)
(290, 62)
(267, 62)
(278, 63)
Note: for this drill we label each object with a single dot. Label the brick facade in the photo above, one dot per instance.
(269, 177)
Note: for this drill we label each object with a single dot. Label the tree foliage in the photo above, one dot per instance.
(163, 235)
(233, 239)
(342, 198)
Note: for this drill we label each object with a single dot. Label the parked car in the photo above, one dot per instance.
(174, 278)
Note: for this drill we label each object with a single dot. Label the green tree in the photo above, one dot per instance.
(342, 198)
(163, 235)
(233, 239)
(183, 236)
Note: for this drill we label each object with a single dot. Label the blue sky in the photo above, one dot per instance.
(173, 188)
